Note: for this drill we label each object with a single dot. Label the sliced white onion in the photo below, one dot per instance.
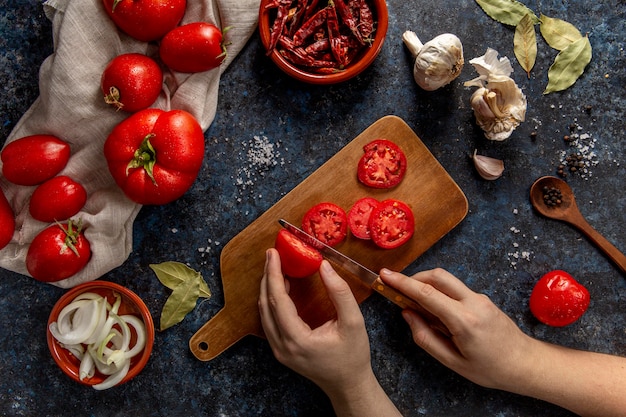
(87, 367)
(140, 330)
(114, 379)
(91, 329)
(82, 322)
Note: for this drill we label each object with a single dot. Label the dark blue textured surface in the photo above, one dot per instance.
(307, 125)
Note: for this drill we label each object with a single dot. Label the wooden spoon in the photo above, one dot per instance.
(567, 211)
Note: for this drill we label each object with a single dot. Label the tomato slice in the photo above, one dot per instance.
(359, 217)
(327, 222)
(391, 224)
(383, 165)
(297, 259)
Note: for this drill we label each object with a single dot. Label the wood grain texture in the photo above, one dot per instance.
(436, 200)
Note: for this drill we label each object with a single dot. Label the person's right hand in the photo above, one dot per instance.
(485, 345)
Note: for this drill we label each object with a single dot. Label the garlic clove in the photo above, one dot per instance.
(437, 62)
(488, 168)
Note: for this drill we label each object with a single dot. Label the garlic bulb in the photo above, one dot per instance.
(499, 104)
(437, 62)
(488, 168)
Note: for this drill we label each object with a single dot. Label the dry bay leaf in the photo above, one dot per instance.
(525, 43)
(568, 65)
(558, 33)
(182, 300)
(509, 12)
(171, 274)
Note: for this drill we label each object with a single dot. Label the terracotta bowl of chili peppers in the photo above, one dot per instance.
(323, 41)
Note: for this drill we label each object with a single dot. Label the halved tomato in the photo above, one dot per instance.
(383, 165)
(327, 222)
(297, 259)
(359, 217)
(391, 224)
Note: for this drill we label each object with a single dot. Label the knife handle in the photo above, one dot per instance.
(403, 302)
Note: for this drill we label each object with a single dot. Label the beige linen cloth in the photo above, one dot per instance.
(71, 107)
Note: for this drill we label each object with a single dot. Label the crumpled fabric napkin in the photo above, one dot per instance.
(71, 107)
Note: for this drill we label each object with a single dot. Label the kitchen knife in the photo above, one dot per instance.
(368, 277)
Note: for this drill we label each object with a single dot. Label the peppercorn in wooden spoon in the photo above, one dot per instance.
(553, 198)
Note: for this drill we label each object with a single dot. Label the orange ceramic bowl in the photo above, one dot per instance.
(361, 61)
(130, 304)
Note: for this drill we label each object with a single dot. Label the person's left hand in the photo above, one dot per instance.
(336, 355)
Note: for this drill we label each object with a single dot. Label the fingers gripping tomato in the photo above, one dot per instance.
(145, 20)
(58, 252)
(155, 156)
(297, 259)
(194, 47)
(558, 299)
(131, 82)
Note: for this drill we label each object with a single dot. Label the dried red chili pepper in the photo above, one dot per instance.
(310, 27)
(366, 21)
(282, 14)
(334, 37)
(348, 18)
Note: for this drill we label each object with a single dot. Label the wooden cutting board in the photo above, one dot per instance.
(436, 200)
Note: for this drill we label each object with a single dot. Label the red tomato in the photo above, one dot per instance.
(33, 159)
(194, 47)
(359, 217)
(391, 224)
(155, 156)
(7, 221)
(57, 199)
(297, 259)
(383, 164)
(558, 299)
(131, 82)
(327, 222)
(58, 252)
(145, 20)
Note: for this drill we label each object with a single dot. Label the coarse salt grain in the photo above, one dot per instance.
(518, 254)
(260, 156)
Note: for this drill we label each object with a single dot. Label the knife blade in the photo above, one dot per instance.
(367, 276)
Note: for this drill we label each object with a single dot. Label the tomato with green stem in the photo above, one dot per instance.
(58, 252)
(131, 82)
(154, 155)
(194, 47)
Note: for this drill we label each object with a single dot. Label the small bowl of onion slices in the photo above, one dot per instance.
(100, 334)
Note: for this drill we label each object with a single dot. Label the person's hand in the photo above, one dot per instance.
(336, 355)
(485, 345)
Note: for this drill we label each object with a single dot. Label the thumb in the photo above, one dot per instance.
(339, 292)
